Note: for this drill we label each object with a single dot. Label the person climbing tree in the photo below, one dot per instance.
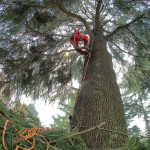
(75, 38)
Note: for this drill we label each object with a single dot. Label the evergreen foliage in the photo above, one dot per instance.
(34, 43)
(33, 111)
(138, 143)
(34, 40)
(21, 117)
(136, 96)
(66, 109)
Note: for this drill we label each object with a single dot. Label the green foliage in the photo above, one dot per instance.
(66, 109)
(138, 144)
(34, 41)
(43, 17)
(135, 95)
(134, 131)
(35, 63)
(33, 111)
(59, 139)
(21, 118)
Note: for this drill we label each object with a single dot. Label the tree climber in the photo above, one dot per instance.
(75, 38)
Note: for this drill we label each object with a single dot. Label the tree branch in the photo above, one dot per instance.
(88, 130)
(62, 8)
(63, 51)
(113, 131)
(34, 5)
(82, 132)
(124, 26)
(42, 6)
(124, 4)
(137, 39)
(40, 33)
(97, 15)
(86, 12)
(129, 53)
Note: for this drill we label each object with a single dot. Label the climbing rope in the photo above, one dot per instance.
(25, 134)
(30, 133)
(84, 72)
(83, 31)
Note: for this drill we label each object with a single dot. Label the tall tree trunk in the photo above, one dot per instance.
(100, 101)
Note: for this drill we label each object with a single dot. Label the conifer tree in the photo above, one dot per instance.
(33, 110)
(66, 109)
(136, 95)
(33, 46)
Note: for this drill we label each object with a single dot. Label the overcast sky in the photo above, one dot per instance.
(45, 111)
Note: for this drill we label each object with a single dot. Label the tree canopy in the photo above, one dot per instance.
(38, 60)
(35, 53)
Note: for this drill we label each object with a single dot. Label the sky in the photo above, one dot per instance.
(45, 111)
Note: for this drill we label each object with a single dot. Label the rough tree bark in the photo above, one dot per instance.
(100, 101)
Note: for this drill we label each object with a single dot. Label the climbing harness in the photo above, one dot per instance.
(79, 42)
